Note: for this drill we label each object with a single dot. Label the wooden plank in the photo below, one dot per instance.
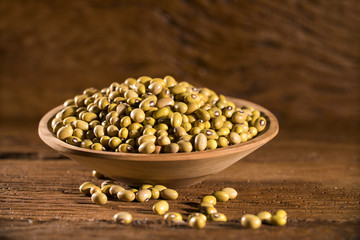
(317, 185)
(56, 229)
(298, 58)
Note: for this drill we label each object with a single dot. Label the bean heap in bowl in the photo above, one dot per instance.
(155, 115)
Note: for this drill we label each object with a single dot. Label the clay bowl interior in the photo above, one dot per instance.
(170, 169)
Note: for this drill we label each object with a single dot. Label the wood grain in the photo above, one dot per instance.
(298, 58)
(45, 203)
(317, 183)
(42, 199)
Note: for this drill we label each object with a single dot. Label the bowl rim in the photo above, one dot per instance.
(48, 137)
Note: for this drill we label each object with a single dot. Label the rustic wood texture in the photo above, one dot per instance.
(317, 184)
(300, 59)
(297, 58)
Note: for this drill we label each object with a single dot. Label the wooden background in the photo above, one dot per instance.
(298, 58)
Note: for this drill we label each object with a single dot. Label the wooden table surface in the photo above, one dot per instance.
(317, 182)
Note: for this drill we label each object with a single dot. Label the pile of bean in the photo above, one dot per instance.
(108, 188)
(155, 115)
(207, 210)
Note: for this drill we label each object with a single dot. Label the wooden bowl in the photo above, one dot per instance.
(169, 169)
